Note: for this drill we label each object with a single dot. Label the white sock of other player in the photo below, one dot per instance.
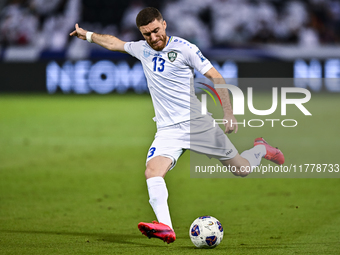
(158, 194)
(254, 155)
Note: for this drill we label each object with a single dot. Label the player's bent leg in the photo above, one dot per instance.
(238, 165)
(156, 169)
(242, 165)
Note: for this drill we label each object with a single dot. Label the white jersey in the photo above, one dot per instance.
(168, 73)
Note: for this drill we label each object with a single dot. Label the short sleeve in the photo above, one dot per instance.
(195, 59)
(134, 48)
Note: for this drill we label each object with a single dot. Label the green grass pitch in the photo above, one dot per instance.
(72, 182)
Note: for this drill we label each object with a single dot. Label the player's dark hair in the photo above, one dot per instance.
(148, 15)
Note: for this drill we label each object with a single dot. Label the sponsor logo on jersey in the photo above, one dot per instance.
(172, 56)
(199, 53)
(146, 53)
(228, 152)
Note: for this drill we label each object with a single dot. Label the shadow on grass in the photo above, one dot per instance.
(99, 237)
(138, 240)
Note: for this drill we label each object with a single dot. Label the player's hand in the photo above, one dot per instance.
(79, 32)
(231, 125)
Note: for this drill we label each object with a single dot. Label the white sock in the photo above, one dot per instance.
(254, 155)
(158, 194)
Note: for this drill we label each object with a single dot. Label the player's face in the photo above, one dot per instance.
(154, 34)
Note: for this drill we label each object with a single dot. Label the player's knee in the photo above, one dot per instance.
(238, 166)
(151, 171)
(241, 171)
(148, 172)
(238, 170)
(157, 166)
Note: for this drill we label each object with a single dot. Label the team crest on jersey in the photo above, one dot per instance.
(172, 56)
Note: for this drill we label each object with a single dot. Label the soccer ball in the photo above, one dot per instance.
(206, 232)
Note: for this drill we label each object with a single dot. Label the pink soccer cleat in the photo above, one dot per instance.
(273, 154)
(157, 230)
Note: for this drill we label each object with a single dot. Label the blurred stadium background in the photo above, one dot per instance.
(297, 39)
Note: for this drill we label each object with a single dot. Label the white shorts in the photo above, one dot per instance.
(198, 135)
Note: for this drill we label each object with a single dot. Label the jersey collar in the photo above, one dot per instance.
(170, 39)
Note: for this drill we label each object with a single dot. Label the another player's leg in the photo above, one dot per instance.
(155, 171)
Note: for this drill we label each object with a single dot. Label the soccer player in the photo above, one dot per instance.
(168, 63)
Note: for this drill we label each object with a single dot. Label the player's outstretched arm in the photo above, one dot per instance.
(217, 78)
(109, 42)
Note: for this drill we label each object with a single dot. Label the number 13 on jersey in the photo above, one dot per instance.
(158, 64)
